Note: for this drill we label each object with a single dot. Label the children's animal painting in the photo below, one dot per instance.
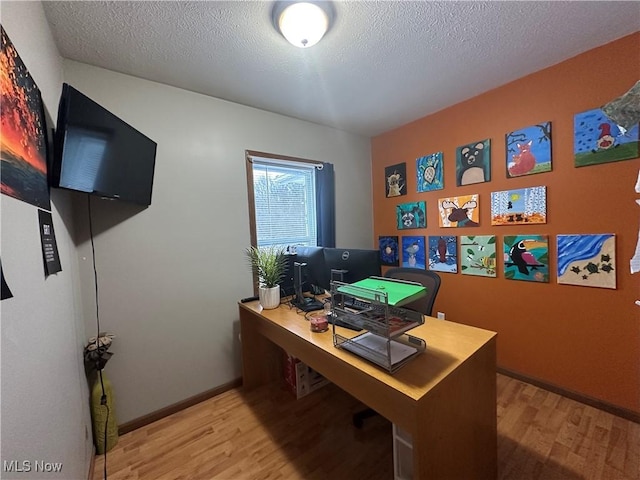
(443, 253)
(526, 257)
(478, 255)
(389, 254)
(395, 180)
(587, 260)
(411, 215)
(429, 172)
(395, 184)
(453, 215)
(413, 252)
(521, 206)
(473, 163)
(529, 150)
(524, 161)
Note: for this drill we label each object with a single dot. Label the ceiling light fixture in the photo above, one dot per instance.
(303, 24)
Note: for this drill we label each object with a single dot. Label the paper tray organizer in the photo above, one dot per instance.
(385, 341)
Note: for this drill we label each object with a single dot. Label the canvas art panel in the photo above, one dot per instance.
(23, 143)
(598, 140)
(588, 260)
(529, 150)
(460, 211)
(389, 251)
(395, 180)
(429, 170)
(413, 252)
(526, 257)
(411, 215)
(519, 207)
(478, 255)
(473, 163)
(443, 253)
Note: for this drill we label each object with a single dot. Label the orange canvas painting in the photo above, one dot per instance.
(459, 211)
(519, 207)
(23, 145)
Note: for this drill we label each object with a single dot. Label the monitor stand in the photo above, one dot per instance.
(306, 304)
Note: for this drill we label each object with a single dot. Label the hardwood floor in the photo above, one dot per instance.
(542, 435)
(267, 434)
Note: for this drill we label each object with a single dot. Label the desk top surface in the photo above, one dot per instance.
(449, 344)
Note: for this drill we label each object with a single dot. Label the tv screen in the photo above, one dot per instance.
(98, 153)
(356, 264)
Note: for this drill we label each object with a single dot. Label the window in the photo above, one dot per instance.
(285, 197)
(290, 201)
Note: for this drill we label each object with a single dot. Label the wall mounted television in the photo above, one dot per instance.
(98, 153)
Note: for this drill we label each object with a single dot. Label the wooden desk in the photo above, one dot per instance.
(445, 397)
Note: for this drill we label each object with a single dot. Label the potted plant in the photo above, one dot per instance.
(268, 264)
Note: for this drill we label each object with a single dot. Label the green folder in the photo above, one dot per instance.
(398, 293)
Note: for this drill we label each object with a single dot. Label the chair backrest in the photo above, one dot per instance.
(428, 278)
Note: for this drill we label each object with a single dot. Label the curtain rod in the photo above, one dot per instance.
(258, 159)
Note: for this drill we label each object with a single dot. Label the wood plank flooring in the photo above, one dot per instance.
(267, 434)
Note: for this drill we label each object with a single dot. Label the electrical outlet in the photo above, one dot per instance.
(441, 315)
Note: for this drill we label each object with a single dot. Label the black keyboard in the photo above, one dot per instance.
(356, 304)
(339, 323)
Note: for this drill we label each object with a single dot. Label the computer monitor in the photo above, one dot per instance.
(315, 271)
(308, 276)
(354, 264)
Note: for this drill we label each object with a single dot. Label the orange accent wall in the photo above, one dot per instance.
(582, 339)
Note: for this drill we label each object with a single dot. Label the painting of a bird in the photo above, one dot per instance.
(522, 258)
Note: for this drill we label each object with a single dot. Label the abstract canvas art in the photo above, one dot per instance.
(478, 255)
(519, 207)
(473, 163)
(429, 170)
(460, 211)
(389, 252)
(443, 253)
(413, 252)
(23, 144)
(526, 257)
(529, 150)
(395, 180)
(599, 140)
(411, 215)
(588, 260)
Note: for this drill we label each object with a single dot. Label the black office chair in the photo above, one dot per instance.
(424, 305)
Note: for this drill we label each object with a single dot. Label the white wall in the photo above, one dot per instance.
(44, 407)
(170, 276)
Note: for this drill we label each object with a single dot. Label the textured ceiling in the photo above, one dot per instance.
(382, 64)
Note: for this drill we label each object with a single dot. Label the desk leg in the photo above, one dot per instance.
(456, 432)
(261, 359)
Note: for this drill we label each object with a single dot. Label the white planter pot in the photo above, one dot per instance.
(269, 297)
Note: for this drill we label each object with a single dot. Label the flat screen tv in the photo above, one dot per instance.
(98, 153)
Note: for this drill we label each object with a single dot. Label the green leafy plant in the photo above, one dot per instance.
(268, 264)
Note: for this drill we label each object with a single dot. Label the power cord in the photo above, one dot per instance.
(103, 398)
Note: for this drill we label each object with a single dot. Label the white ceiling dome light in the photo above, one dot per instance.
(303, 24)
